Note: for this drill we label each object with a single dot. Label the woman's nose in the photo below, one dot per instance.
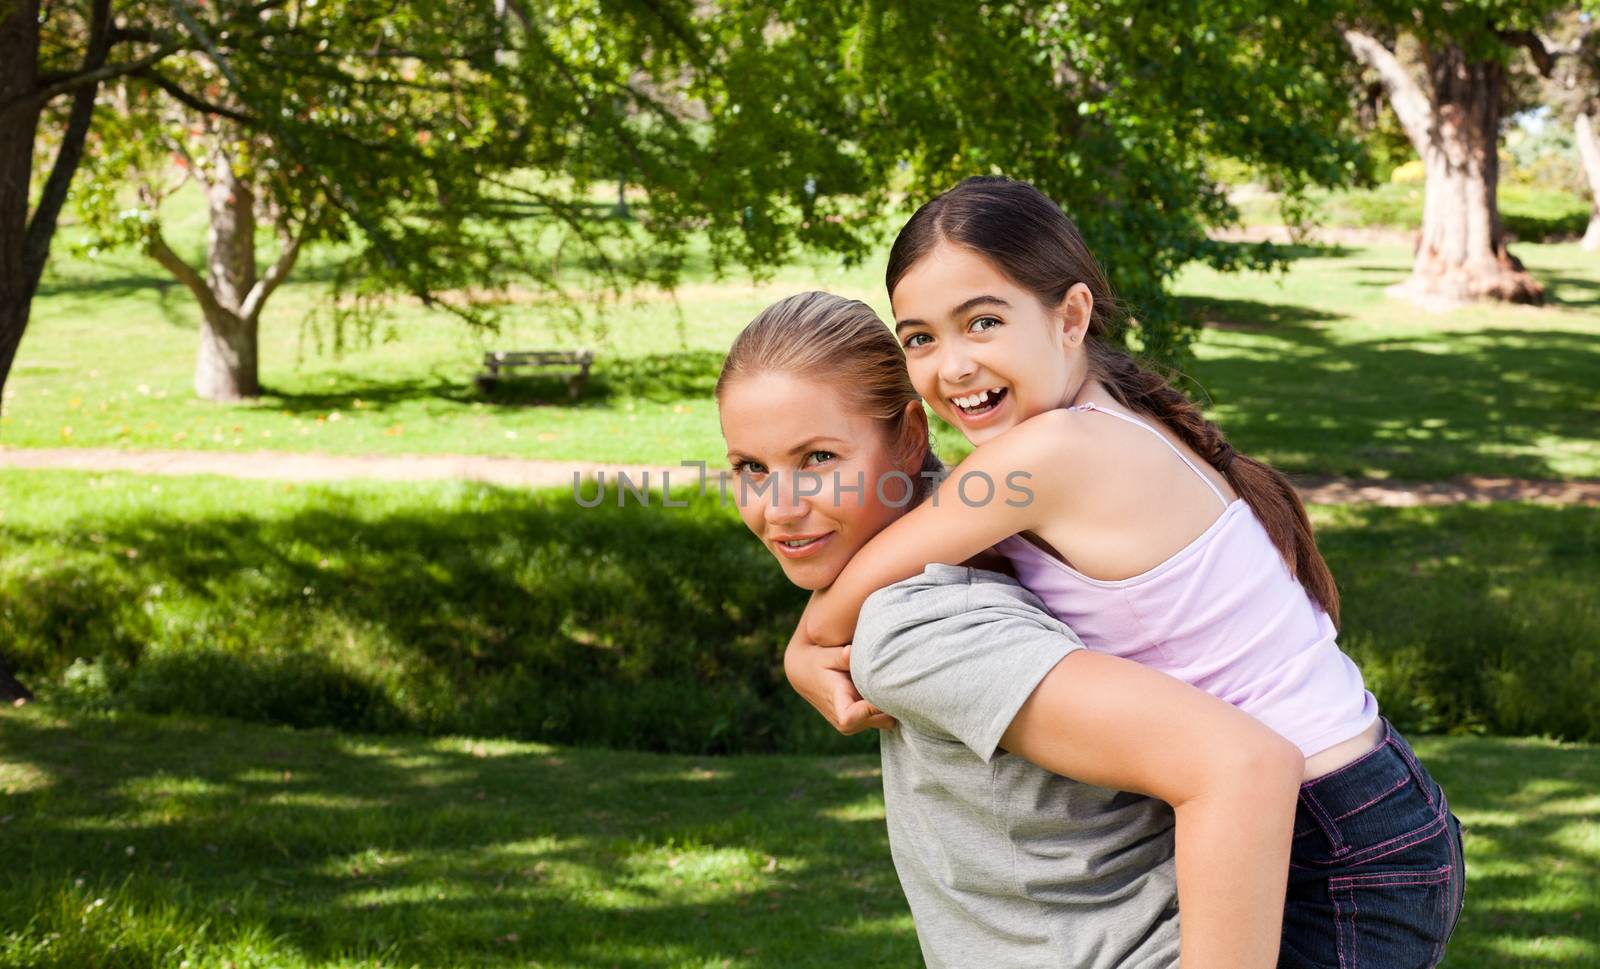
(783, 505)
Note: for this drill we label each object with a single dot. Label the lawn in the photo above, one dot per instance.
(1312, 369)
(140, 841)
(465, 608)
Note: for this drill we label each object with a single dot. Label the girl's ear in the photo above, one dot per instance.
(914, 442)
(1075, 312)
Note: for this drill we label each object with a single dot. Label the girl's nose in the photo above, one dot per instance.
(956, 367)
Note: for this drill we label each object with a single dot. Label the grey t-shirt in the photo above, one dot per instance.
(1004, 863)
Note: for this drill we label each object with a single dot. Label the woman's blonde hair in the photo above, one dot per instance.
(826, 338)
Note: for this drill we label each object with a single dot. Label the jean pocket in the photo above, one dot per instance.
(1398, 919)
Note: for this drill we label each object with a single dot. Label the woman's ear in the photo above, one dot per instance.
(914, 441)
(1075, 312)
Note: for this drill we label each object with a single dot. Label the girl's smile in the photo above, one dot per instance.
(983, 351)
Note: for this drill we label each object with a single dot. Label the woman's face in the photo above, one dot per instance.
(777, 426)
(984, 352)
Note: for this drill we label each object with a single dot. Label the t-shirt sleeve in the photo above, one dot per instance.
(956, 652)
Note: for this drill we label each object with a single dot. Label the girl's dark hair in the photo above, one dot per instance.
(1032, 241)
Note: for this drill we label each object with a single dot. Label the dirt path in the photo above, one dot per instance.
(519, 472)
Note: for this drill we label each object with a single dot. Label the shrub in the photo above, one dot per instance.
(475, 610)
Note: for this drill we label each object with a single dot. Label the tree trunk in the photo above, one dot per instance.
(1461, 253)
(226, 368)
(1589, 151)
(19, 51)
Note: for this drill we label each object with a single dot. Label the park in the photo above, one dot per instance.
(310, 657)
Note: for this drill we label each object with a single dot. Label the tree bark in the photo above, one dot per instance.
(19, 52)
(1589, 151)
(227, 365)
(1461, 254)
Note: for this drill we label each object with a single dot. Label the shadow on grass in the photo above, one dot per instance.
(661, 377)
(1309, 397)
(335, 848)
(1571, 291)
(464, 609)
(1533, 875)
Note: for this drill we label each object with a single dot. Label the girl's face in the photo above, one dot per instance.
(984, 352)
(777, 426)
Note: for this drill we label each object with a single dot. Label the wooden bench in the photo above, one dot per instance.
(505, 363)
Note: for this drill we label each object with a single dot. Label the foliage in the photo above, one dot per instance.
(142, 842)
(1112, 109)
(469, 609)
(765, 124)
(1545, 156)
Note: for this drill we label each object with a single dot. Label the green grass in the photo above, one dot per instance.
(1317, 372)
(461, 608)
(1529, 213)
(1313, 369)
(136, 841)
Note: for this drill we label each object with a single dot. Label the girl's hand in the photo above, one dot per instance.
(821, 674)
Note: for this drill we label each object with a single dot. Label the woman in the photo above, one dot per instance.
(1004, 860)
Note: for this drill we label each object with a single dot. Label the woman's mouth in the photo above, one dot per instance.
(977, 405)
(800, 546)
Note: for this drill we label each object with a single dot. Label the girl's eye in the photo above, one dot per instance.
(983, 323)
(912, 340)
(821, 457)
(749, 467)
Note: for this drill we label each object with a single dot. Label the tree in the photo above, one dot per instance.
(1112, 108)
(423, 135)
(1569, 58)
(1446, 68)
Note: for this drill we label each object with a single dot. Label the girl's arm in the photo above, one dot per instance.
(821, 675)
(1008, 485)
(1232, 784)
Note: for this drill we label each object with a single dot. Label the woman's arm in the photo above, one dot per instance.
(1232, 784)
(1013, 483)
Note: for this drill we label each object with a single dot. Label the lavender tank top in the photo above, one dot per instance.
(1223, 614)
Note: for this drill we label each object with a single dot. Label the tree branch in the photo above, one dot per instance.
(42, 226)
(155, 245)
(188, 100)
(1543, 57)
(74, 82)
(288, 252)
(1411, 103)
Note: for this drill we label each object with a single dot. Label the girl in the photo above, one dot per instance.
(1006, 865)
(1145, 532)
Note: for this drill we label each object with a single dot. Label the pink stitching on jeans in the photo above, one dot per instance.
(1355, 931)
(1329, 829)
(1338, 928)
(1417, 772)
(1361, 856)
(1403, 782)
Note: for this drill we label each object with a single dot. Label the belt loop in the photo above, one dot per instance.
(1404, 749)
(1320, 815)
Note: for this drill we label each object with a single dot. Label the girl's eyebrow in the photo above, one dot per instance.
(958, 310)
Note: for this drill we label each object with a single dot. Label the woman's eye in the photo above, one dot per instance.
(984, 323)
(820, 457)
(913, 340)
(749, 467)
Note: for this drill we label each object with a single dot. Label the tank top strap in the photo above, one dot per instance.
(1136, 422)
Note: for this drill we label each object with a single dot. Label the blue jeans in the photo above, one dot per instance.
(1376, 875)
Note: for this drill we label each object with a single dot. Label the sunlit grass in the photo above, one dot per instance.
(1314, 369)
(560, 857)
(446, 607)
